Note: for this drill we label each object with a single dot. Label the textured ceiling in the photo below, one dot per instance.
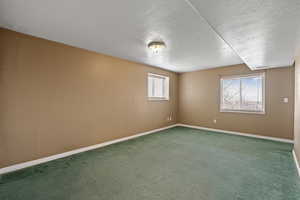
(123, 29)
(263, 33)
(199, 34)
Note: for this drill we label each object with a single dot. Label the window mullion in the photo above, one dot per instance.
(241, 98)
(153, 87)
(163, 88)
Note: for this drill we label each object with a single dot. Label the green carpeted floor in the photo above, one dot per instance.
(178, 163)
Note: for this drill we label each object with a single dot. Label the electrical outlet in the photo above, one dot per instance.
(285, 100)
(215, 121)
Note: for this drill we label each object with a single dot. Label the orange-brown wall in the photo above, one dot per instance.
(297, 108)
(199, 102)
(55, 98)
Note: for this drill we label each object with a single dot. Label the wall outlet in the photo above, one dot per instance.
(285, 100)
(215, 121)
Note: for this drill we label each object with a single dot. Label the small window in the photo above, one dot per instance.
(243, 94)
(158, 87)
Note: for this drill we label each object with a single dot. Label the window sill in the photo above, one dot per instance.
(243, 112)
(157, 99)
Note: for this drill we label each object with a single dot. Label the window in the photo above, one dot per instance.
(243, 94)
(158, 87)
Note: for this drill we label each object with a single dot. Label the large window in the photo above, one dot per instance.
(158, 87)
(243, 93)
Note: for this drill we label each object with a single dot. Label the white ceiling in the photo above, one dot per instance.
(199, 34)
(264, 33)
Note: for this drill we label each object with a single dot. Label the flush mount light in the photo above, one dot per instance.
(156, 47)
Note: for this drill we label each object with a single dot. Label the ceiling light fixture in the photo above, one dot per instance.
(156, 46)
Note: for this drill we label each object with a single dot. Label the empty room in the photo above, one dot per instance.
(150, 100)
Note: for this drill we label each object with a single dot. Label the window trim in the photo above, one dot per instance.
(262, 74)
(166, 85)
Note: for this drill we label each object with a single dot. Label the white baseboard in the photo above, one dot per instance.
(76, 151)
(80, 150)
(296, 162)
(238, 133)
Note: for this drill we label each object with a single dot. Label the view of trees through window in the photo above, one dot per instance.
(242, 93)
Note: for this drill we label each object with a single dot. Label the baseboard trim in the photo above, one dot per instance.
(238, 133)
(88, 148)
(76, 151)
(296, 162)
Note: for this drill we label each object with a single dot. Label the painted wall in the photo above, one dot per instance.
(56, 98)
(199, 102)
(297, 108)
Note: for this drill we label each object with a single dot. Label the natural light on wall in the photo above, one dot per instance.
(158, 87)
(244, 93)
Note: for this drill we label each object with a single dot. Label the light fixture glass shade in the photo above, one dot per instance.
(156, 47)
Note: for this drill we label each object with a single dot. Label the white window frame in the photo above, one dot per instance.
(239, 77)
(166, 88)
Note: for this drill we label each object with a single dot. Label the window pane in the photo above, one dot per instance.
(158, 87)
(150, 86)
(252, 94)
(243, 93)
(231, 94)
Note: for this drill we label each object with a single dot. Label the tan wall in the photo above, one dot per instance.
(297, 108)
(199, 102)
(56, 98)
